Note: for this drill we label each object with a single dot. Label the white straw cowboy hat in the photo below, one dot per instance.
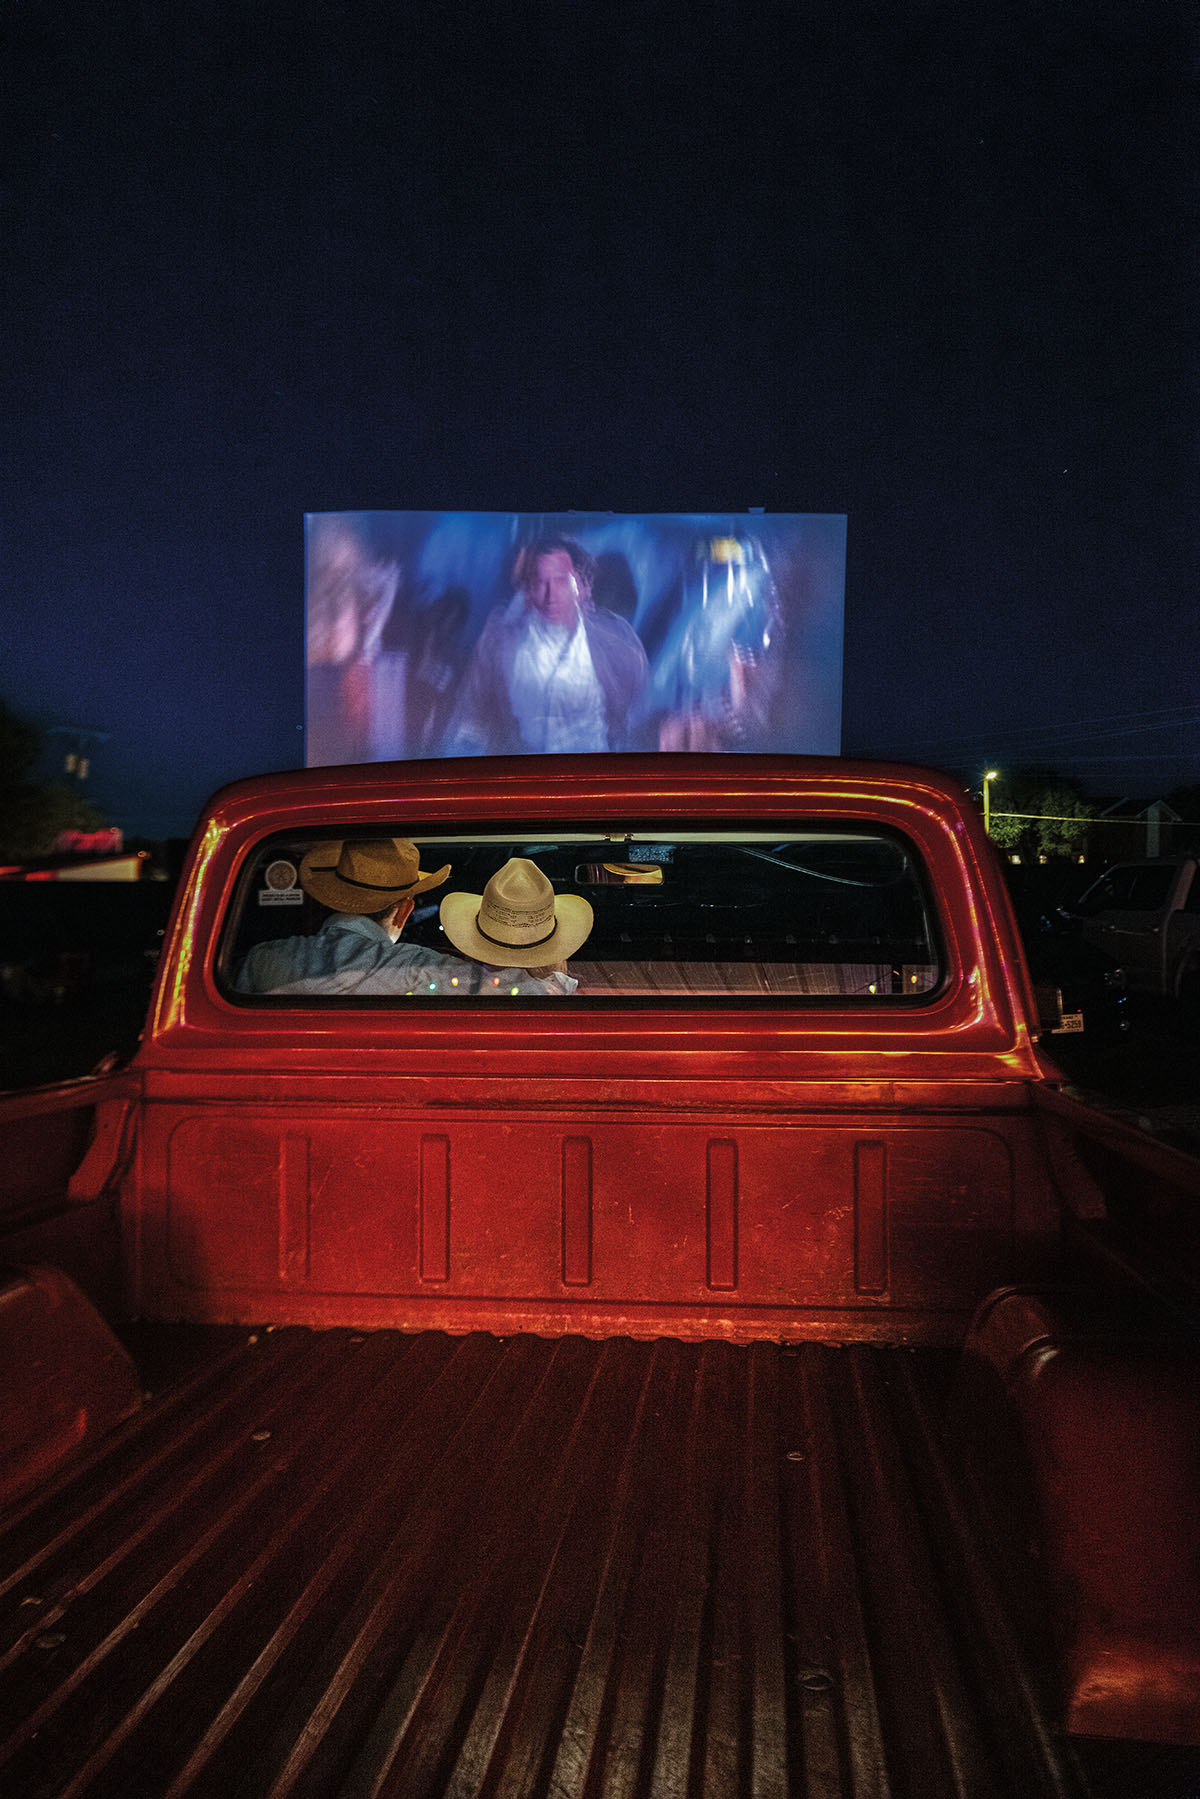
(518, 920)
(366, 877)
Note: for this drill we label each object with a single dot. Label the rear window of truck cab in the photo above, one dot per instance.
(832, 915)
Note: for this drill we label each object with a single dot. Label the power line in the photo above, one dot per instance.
(1066, 818)
(1147, 756)
(1057, 733)
(1104, 718)
(1094, 818)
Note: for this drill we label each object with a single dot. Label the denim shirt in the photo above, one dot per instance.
(356, 955)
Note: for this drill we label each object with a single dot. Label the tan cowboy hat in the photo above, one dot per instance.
(366, 877)
(518, 920)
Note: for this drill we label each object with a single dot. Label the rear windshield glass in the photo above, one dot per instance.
(817, 915)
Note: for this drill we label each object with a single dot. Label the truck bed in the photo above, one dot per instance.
(333, 1562)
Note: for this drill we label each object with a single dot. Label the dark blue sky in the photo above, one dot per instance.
(926, 263)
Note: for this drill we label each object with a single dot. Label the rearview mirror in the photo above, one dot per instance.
(618, 874)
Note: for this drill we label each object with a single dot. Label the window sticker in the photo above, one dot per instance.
(280, 887)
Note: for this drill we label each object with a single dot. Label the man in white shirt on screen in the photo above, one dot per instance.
(551, 673)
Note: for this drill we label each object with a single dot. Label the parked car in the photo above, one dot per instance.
(1080, 991)
(1145, 917)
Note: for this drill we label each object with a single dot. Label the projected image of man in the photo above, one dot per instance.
(551, 673)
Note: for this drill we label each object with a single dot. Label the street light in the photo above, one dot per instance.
(989, 777)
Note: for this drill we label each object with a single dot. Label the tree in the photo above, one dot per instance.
(1037, 812)
(33, 813)
(19, 744)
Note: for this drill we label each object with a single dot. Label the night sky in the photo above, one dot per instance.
(930, 263)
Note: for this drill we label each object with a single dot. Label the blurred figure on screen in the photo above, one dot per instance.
(350, 599)
(613, 586)
(434, 664)
(718, 677)
(552, 672)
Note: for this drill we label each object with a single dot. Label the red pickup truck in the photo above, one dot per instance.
(740, 1370)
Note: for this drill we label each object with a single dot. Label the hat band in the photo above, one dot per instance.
(507, 942)
(330, 868)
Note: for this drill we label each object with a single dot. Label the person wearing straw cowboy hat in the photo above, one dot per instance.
(518, 921)
(370, 888)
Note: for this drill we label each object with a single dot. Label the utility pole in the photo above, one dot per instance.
(988, 778)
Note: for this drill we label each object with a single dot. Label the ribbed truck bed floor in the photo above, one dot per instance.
(335, 1563)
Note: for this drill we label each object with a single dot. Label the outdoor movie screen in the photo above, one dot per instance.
(498, 633)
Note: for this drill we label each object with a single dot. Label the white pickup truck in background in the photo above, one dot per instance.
(1146, 917)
